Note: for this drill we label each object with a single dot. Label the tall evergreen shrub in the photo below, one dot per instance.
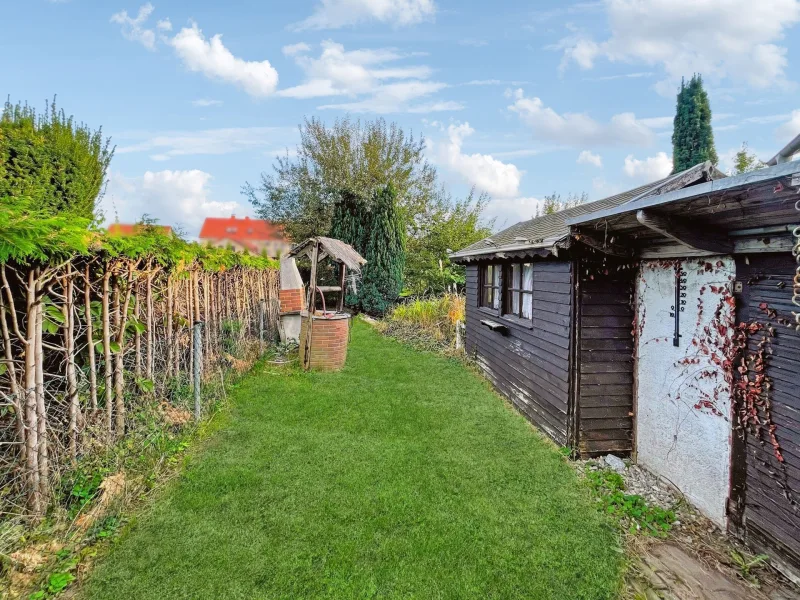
(385, 253)
(52, 161)
(692, 136)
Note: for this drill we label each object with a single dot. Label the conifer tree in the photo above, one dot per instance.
(692, 136)
(385, 253)
(350, 223)
(59, 164)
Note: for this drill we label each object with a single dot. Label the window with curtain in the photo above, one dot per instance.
(490, 291)
(519, 290)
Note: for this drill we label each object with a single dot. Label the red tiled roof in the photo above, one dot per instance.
(240, 230)
(128, 229)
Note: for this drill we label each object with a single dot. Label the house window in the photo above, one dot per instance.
(490, 287)
(519, 290)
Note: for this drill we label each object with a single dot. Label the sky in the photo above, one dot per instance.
(517, 99)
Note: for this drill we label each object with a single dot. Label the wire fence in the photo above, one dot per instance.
(90, 342)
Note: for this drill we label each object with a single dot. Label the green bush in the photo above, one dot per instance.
(632, 509)
(428, 323)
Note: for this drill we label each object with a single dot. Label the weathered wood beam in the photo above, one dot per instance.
(705, 238)
(611, 246)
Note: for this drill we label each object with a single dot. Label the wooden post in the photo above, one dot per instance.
(312, 291)
(108, 372)
(342, 276)
(196, 367)
(87, 308)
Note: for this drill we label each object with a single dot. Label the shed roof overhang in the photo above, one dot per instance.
(540, 249)
(708, 218)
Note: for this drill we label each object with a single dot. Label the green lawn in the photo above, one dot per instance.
(403, 476)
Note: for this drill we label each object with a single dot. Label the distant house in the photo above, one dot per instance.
(253, 235)
(128, 229)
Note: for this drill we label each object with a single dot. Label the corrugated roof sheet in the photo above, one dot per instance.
(551, 226)
(547, 230)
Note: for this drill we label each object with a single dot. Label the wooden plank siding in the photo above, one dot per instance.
(604, 412)
(765, 492)
(530, 365)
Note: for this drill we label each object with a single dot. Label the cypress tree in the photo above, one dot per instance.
(350, 223)
(385, 253)
(692, 136)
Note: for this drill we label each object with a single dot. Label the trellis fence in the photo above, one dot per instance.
(88, 340)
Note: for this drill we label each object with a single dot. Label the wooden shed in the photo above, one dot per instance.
(549, 321)
(719, 280)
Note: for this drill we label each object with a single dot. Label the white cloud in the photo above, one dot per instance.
(587, 157)
(508, 211)
(370, 77)
(787, 131)
(659, 122)
(209, 57)
(637, 75)
(333, 14)
(177, 198)
(133, 27)
(203, 102)
(604, 189)
(215, 61)
(579, 129)
(211, 141)
(293, 49)
(722, 38)
(650, 169)
(488, 174)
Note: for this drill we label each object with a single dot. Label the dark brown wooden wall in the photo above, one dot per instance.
(531, 364)
(766, 494)
(605, 360)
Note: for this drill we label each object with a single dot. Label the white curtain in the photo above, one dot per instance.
(527, 284)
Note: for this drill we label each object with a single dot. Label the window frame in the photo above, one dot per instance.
(496, 290)
(512, 287)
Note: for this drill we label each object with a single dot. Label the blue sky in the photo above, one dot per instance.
(519, 99)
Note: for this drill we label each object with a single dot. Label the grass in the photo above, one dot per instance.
(403, 476)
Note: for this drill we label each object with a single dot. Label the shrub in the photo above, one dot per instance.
(428, 323)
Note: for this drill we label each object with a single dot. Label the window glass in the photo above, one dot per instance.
(490, 295)
(518, 286)
(527, 295)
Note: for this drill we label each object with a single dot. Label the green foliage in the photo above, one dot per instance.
(692, 136)
(385, 253)
(747, 565)
(553, 203)
(746, 161)
(30, 233)
(351, 223)
(231, 335)
(631, 509)
(426, 324)
(351, 155)
(57, 163)
(449, 225)
(78, 487)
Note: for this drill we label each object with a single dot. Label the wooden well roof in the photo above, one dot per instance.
(334, 249)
